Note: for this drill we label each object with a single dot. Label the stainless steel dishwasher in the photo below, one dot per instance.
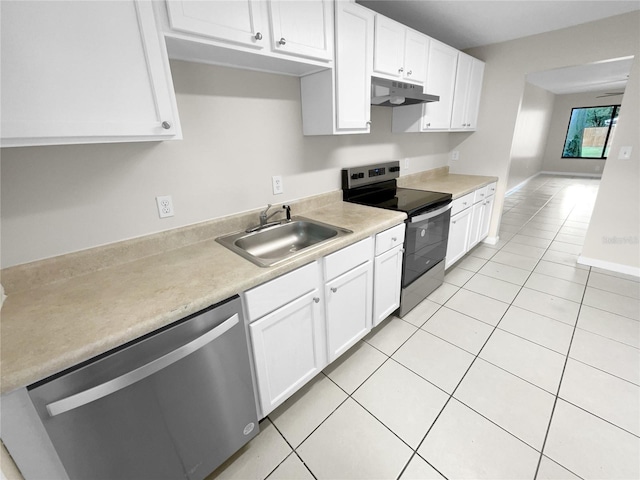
(174, 404)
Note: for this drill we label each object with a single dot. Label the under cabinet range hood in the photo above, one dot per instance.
(391, 93)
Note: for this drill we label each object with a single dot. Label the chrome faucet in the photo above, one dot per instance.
(265, 216)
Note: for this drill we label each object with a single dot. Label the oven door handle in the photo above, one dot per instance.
(431, 214)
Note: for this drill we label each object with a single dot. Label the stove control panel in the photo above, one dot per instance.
(368, 174)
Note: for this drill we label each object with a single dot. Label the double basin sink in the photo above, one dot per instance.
(271, 245)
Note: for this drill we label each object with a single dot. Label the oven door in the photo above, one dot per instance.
(425, 242)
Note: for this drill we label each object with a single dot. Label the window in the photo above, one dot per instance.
(590, 132)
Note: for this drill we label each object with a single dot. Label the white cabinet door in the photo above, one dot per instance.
(475, 89)
(459, 227)
(387, 278)
(348, 309)
(474, 228)
(388, 52)
(288, 349)
(236, 21)
(467, 93)
(84, 72)
(441, 77)
(303, 28)
(399, 52)
(463, 74)
(416, 54)
(486, 217)
(354, 57)
(338, 101)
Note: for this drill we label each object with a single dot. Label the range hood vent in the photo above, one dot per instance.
(391, 93)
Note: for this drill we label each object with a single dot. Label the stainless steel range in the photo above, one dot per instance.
(427, 225)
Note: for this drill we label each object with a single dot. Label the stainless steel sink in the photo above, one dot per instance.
(271, 245)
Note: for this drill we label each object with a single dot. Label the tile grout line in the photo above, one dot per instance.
(389, 357)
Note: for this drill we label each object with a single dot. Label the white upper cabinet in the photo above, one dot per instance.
(292, 37)
(338, 101)
(399, 52)
(302, 28)
(441, 77)
(467, 92)
(238, 21)
(84, 72)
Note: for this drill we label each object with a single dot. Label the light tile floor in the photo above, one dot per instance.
(523, 365)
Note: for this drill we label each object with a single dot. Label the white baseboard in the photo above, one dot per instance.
(572, 174)
(491, 240)
(520, 185)
(614, 267)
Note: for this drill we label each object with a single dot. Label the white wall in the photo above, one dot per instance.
(530, 135)
(488, 151)
(553, 161)
(612, 239)
(240, 128)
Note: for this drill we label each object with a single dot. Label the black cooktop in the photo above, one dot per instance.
(389, 196)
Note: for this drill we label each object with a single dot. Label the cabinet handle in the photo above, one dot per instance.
(258, 36)
(394, 239)
(453, 221)
(316, 299)
(409, 73)
(334, 289)
(166, 125)
(369, 123)
(282, 41)
(400, 70)
(428, 125)
(402, 250)
(464, 203)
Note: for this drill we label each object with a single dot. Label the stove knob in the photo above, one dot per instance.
(354, 176)
(361, 175)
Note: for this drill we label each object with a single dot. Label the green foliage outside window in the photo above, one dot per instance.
(590, 132)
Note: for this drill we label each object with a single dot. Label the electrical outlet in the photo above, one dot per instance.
(278, 187)
(455, 155)
(165, 206)
(625, 153)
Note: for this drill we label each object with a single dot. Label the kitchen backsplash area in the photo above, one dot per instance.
(240, 128)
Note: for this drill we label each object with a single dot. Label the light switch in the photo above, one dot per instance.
(625, 153)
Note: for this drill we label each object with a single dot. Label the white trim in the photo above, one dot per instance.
(491, 240)
(520, 185)
(614, 267)
(572, 174)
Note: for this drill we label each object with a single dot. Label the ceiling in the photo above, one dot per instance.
(610, 75)
(471, 23)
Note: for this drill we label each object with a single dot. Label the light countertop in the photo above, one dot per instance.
(455, 184)
(56, 325)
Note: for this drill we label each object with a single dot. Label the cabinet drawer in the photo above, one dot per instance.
(349, 257)
(461, 203)
(390, 238)
(491, 189)
(480, 194)
(275, 293)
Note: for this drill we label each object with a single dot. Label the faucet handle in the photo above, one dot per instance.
(288, 209)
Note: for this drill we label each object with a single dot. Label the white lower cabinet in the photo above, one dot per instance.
(288, 349)
(387, 282)
(470, 220)
(486, 216)
(387, 279)
(458, 236)
(348, 309)
(302, 320)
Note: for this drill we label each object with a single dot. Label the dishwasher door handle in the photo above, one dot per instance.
(140, 373)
